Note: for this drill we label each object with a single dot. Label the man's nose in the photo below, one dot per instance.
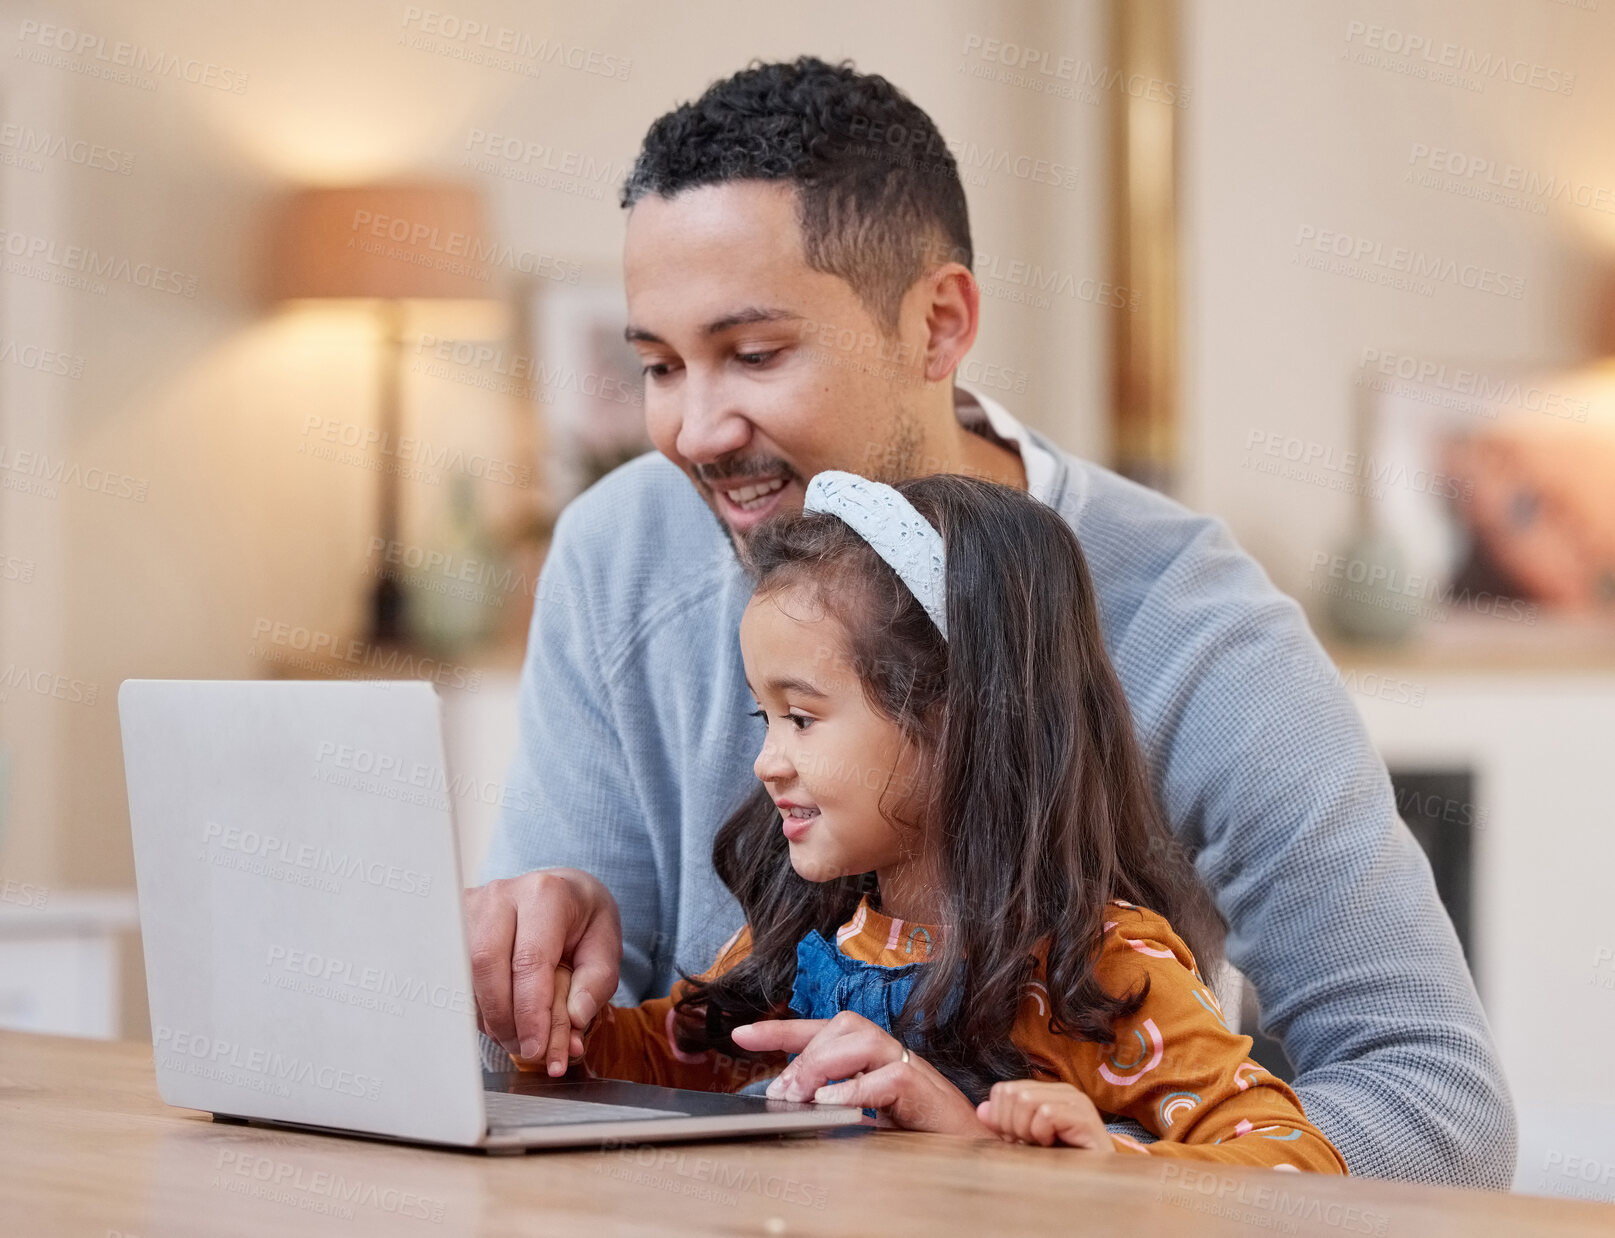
(712, 425)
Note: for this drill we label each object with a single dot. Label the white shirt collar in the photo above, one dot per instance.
(1035, 459)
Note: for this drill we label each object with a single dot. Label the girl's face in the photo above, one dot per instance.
(830, 761)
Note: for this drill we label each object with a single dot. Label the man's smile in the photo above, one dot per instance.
(745, 502)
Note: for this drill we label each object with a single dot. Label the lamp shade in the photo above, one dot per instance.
(395, 241)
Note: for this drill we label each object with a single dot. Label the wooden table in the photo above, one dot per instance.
(87, 1148)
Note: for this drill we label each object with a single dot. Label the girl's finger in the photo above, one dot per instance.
(837, 1056)
(1001, 1108)
(783, 1035)
(560, 1030)
(1080, 1126)
(803, 1037)
(886, 1088)
(1016, 1100)
(1018, 1119)
(1043, 1123)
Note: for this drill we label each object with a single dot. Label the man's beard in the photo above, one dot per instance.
(900, 458)
(897, 460)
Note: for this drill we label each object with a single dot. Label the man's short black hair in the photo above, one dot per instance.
(879, 198)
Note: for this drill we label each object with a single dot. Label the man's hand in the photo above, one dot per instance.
(1029, 1111)
(869, 1061)
(520, 931)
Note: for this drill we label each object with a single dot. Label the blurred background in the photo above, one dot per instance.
(310, 322)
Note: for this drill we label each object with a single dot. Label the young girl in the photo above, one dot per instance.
(963, 907)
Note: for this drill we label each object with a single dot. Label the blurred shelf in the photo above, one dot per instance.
(355, 658)
(59, 960)
(1488, 645)
(91, 913)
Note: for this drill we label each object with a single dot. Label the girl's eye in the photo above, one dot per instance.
(759, 713)
(801, 720)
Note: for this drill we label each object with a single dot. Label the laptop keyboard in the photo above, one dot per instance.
(507, 1111)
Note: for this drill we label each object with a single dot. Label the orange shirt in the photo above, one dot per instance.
(1175, 1067)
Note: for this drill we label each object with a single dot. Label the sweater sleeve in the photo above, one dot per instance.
(636, 1042)
(566, 802)
(1175, 1067)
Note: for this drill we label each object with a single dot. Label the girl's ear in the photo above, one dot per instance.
(921, 782)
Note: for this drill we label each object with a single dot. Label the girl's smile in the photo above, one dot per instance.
(797, 819)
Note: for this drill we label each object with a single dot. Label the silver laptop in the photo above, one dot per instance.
(306, 962)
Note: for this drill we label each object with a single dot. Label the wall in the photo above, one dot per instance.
(1290, 137)
(201, 402)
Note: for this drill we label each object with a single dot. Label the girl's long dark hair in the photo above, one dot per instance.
(1037, 801)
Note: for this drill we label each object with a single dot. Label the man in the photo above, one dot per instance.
(798, 284)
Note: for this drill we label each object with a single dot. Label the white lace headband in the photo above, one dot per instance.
(890, 524)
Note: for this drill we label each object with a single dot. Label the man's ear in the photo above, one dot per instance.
(952, 315)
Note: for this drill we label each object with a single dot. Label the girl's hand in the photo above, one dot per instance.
(1030, 1111)
(869, 1061)
(564, 1043)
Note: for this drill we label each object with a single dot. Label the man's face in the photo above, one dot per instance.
(760, 371)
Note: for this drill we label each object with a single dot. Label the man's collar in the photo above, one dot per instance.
(1035, 459)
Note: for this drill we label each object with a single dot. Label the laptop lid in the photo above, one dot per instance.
(299, 893)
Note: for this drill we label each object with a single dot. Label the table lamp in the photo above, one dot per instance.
(391, 244)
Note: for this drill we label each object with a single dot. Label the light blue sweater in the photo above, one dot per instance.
(636, 744)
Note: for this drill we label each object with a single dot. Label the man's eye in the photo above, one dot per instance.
(756, 358)
(656, 369)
